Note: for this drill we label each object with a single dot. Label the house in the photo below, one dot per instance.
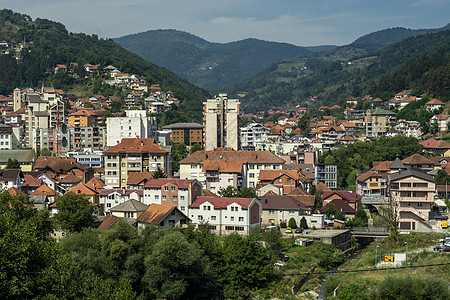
(11, 178)
(286, 180)
(418, 161)
(83, 189)
(60, 167)
(281, 208)
(163, 216)
(45, 190)
(339, 205)
(372, 187)
(226, 215)
(172, 192)
(129, 209)
(434, 104)
(25, 157)
(440, 147)
(222, 173)
(412, 193)
(441, 122)
(112, 197)
(137, 180)
(378, 122)
(353, 199)
(268, 188)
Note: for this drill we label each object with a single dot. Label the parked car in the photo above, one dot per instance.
(289, 230)
(438, 247)
(445, 248)
(299, 230)
(275, 228)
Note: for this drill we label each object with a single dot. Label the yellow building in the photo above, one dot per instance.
(25, 157)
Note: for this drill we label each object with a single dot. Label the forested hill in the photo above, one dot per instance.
(206, 64)
(378, 39)
(333, 78)
(48, 43)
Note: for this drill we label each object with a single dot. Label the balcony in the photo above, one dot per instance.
(415, 212)
(375, 199)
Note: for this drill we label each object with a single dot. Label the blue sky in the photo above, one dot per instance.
(299, 22)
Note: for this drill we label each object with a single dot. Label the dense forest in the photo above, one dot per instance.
(52, 44)
(206, 64)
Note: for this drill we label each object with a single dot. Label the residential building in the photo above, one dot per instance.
(441, 122)
(252, 134)
(112, 197)
(129, 209)
(196, 165)
(11, 178)
(286, 180)
(327, 174)
(221, 121)
(172, 192)
(378, 122)
(163, 216)
(134, 155)
(25, 157)
(434, 104)
(226, 215)
(351, 198)
(373, 187)
(6, 137)
(86, 130)
(136, 124)
(412, 194)
(188, 133)
(281, 208)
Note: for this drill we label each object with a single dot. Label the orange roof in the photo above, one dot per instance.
(44, 190)
(155, 213)
(95, 184)
(228, 154)
(135, 145)
(268, 175)
(364, 176)
(223, 166)
(135, 178)
(322, 187)
(107, 222)
(434, 102)
(382, 166)
(82, 188)
(416, 159)
(347, 138)
(439, 145)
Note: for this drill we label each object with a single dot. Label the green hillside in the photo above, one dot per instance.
(347, 71)
(52, 44)
(206, 64)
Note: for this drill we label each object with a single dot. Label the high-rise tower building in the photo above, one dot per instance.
(221, 121)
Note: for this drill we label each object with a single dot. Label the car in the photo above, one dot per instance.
(438, 247)
(445, 248)
(289, 230)
(274, 228)
(299, 230)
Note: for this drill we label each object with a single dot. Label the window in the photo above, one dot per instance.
(251, 175)
(232, 218)
(229, 227)
(230, 180)
(200, 217)
(289, 180)
(419, 204)
(164, 198)
(271, 212)
(172, 189)
(182, 207)
(239, 228)
(280, 180)
(174, 198)
(182, 198)
(252, 167)
(292, 212)
(213, 218)
(108, 204)
(156, 197)
(123, 180)
(241, 219)
(166, 188)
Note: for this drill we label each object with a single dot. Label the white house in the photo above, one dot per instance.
(112, 197)
(226, 215)
(172, 192)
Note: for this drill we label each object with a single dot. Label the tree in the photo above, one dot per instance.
(390, 214)
(303, 223)
(195, 148)
(360, 219)
(246, 192)
(159, 173)
(179, 153)
(292, 223)
(228, 192)
(45, 152)
(330, 210)
(74, 212)
(13, 164)
(329, 160)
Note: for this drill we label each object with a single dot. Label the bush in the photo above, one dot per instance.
(292, 223)
(412, 288)
(314, 227)
(303, 223)
(283, 224)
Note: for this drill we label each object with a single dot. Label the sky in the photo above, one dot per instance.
(298, 22)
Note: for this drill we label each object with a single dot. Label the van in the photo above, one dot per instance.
(270, 228)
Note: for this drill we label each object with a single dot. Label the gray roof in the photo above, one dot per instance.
(38, 199)
(183, 126)
(22, 155)
(34, 98)
(130, 205)
(410, 172)
(397, 164)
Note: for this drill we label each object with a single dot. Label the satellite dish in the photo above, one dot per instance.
(64, 142)
(307, 169)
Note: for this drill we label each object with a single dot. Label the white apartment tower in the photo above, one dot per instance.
(221, 121)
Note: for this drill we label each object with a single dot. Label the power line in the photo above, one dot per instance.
(203, 277)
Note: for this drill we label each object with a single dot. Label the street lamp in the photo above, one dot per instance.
(406, 243)
(376, 255)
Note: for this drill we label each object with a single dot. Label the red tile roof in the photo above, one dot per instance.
(223, 166)
(107, 222)
(136, 178)
(44, 190)
(346, 195)
(366, 175)
(228, 154)
(155, 213)
(135, 145)
(416, 159)
(157, 183)
(339, 205)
